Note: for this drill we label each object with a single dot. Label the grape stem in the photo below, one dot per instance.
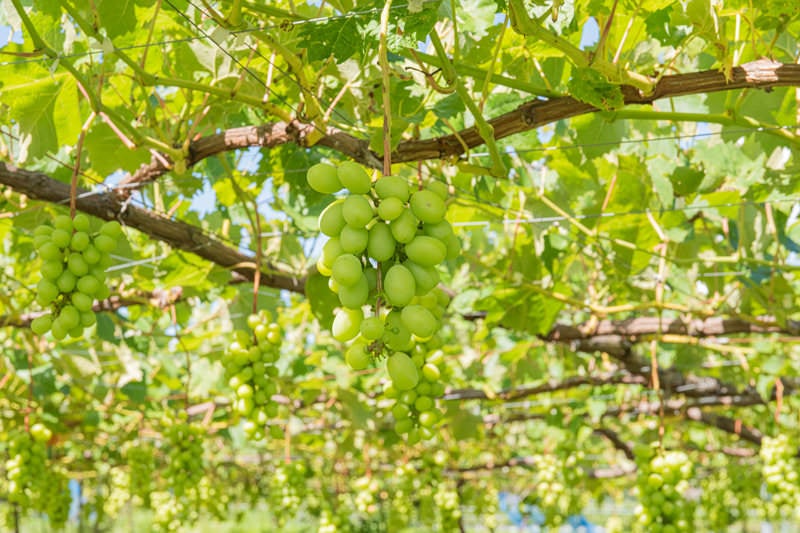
(73, 187)
(383, 58)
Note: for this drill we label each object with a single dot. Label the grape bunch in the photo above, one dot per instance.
(184, 450)
(75, 253)
(251, 372)
(780, 471)
(729, 493)
(414, 410)
(117, 493)
(662, 480)
(448, 504)
(169, 512)
(141, 465)
(556, 478)
(405, 486)
(287, 489)
(366, 489)
(56, 499)
(385, 244)
(26, 468)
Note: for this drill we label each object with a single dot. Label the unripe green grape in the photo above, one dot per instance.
(88, 319)
(372, 328)
(403, 426)
(399, 286)
(58, 329)
(357, 356)
(105, 244)
(323, 268)
(381, 245)
(331, 250)
(357, 210)
(63, 222)
(81, 223)
(52, 269)
(103, 292)
(419, 321)
(43, 231)
(60, 238)
(395, 334)
(347, 324)
(41, 324)
(105, 261)
(50, 252)
(426, 251)
(427, 206)
(453, 247)
(346, 270)
(431, 372)
(77, 265)
(40, 240)
(333, 286)
(331, 220)
(428, 419)
(91, 255)
(112, 228)
(323, 178)
(80, 241)
(356, 295)
(81, 301)
(425, 278)
(354, 178)
(70, 317)
(66, 281)
(88, 285)
(404, 227)
(391, 208)
(402, 371)
(392, 187)
(418, 358)
(47, 291)
(353, 240)
(423, 403)
(442, 230)
(439, 188)
(76, 332)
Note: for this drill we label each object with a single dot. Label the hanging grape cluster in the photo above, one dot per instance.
(141, 465)
(75, 253)
(405, 484)
(662, 480)
(117, 492)
(448, 505)
(184, 450)
(287, 488)
(366, 488)
(730, 492)
(415, 411)
(780, 471)
(26, 467)
(385, 244)
(556, 477)
(56, 499)
(251, 372)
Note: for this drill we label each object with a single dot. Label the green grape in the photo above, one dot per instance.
(88, 285)
(427, 206)
(381, 245)
(80, 241)
(402, 371)
(396, 335)
(41, 325)
(392, 187)
(354, 296)
(357, 211)
(91, 255)
(66, 282)
(112, 228)
(58, 329)
(404, 227)
(105, 244)
(82, 223)
(354, 178)
(47, 291)
(50, 252)
(425, 278)
(347, 270)
(60, 238)
(353, 240)
(357, 356)
(323, 178)
(439, 188)
(331, 220)
(431, 372)
(419, 321)
(347, 324)
(391, 208)
(426, 251)
(63, 222)
(331, 250)
(441, 230)
(399, 286)
(69, 316)
(372, 328)
(52, 269)
(82, 302)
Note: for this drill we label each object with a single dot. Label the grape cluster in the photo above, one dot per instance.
(141, 465)
(780, 471)
(117, 493)
(75, 253)
(662, 480)
(56, 499)
(366, 488)
(556, 478)
(385, 243)
(405, 484)
(287, 488)
(251, 372)
(26, 468)
(729, 493)
(184, 449)
(448, 504)
(169, 512)
(414, 410)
